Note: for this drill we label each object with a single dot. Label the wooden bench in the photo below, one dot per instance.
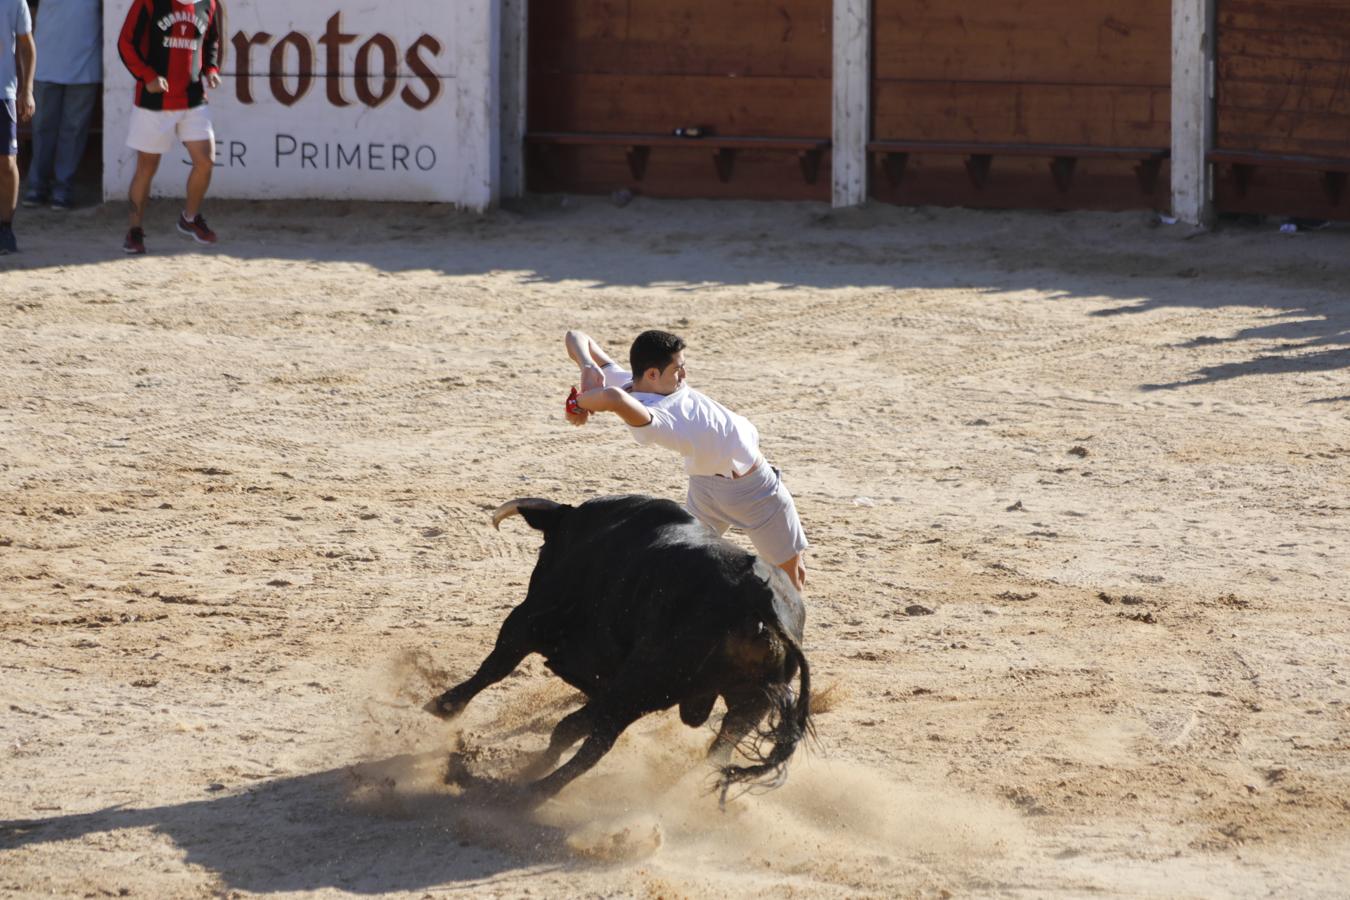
(638, 147)
(1244, 162)
(980, 156)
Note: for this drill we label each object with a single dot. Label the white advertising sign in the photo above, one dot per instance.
(348, 99)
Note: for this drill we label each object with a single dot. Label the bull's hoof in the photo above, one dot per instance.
(538, 767)
(487, 791)
(439, 708)
(510, 796)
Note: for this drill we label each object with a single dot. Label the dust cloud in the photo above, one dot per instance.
(652, 797)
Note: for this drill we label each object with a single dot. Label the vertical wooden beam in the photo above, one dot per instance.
(475, 66)
(1192, 110)
(852, 101)
(515, 20)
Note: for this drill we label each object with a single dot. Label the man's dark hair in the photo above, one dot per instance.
(653, 350)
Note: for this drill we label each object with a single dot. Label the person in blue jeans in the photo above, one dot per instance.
(17, 56)
(69, 73)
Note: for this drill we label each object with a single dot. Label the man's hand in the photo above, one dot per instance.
(573, 412)
(213, 80)
(158, 85)
(25, 106)
(591, 377)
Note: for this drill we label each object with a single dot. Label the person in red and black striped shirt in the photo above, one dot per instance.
(172, 47)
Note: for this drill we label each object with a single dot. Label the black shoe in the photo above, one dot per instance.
(197, 229)
(62, 204)
(7, 242)
(135, 242)
(32, 200)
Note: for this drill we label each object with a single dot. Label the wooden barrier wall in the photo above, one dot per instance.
(1018, 72)
(1283, 93)
(997, 103)
(747, 68)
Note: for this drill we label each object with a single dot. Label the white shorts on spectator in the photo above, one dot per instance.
(156, 131)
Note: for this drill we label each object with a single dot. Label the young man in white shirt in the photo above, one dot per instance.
(730, 483)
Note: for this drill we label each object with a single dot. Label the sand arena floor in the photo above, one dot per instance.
(244, 532)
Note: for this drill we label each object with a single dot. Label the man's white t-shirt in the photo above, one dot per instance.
(712, 439)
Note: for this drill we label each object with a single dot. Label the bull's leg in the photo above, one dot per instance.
(605, 730)
(635, 694)
(745, 710)
(512, 646)
(573, 727)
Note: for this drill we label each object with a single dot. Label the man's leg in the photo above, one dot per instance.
(701, 503)
(9, 174)
(46, 128)
(139, 195)
(770, 519)
(199, 179)
(9, 186)
(9, 198)
(77, 111)
(796, 570)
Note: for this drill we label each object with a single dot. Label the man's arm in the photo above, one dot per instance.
(128, 40)
(617, 401)
(25, 52)
(589, 357)
(211, 49)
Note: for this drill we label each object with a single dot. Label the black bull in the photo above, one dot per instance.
(641, 608)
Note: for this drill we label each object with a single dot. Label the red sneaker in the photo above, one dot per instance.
(197, 229)
(135, 242)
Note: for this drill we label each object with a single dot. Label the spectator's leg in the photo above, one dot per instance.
(199, 179)
(46, 126)
(9, 175)
(9, 187)
(77, 112)
(139, 195)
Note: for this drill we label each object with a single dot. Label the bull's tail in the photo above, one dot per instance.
(771, 747)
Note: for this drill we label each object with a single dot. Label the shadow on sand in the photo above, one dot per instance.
(690, 247)
(352, 829)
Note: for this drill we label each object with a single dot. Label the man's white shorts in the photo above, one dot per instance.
(155, 131)
(758, 503)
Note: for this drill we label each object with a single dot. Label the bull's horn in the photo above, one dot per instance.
(513, 508)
